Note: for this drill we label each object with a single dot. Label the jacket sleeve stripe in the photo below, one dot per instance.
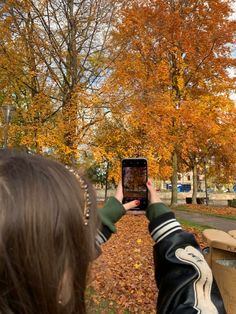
(167, 233)
(165, 229)
(102, 235)
(162, 225)
(100, 238)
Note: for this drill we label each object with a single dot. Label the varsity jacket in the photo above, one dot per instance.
(183, 277)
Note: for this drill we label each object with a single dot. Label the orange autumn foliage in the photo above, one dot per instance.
(170, 75)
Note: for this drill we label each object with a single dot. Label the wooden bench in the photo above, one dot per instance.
(222, 260)
(233, 233)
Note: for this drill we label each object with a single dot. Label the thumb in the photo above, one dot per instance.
(153, 197)
(131, 205)
(151, 187)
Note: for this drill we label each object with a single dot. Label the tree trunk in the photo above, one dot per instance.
(69, 111)
(106, 184)
(195, 184)
(174, 180)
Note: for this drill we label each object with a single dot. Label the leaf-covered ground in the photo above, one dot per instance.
(219, 211)
(123, 275)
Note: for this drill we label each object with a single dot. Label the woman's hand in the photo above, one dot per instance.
(152, 195)
(119, 197)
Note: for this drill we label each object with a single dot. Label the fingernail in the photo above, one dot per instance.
(137, 202)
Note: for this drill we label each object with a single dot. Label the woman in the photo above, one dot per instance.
(45, 244)
(49, 235)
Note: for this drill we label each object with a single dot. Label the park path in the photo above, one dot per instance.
(211, 221)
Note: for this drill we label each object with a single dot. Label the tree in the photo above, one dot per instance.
(212, 141)
(173, 52)
(117, 138)
(60, 46)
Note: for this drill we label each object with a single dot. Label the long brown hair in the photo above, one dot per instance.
(42, 235)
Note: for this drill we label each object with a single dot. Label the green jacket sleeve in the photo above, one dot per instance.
(156, 209)
(112, 211)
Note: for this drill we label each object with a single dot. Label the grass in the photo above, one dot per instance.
(181, 207)
(199, 227)
(187, 209)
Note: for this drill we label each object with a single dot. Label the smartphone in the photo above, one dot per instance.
(134, 179)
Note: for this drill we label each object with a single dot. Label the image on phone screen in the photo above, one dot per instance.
(134, 178)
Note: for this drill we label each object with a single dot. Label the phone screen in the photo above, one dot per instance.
(134, 179)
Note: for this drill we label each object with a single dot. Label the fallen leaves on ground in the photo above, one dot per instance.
(221, 211)
(124, 273)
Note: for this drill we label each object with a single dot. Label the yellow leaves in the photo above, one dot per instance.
(137, 253)
(165, 171)
(137, 265)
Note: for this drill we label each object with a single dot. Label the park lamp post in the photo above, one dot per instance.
(7, 111)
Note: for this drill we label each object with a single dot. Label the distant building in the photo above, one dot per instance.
(185, 182)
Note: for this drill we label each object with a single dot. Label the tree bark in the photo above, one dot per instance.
(174, 180)
(106, 183)
(195, 184)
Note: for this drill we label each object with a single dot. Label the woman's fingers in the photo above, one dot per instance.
(119, 197)
(131, 205)
(153, 197)
(119, 192)
(151, 187)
